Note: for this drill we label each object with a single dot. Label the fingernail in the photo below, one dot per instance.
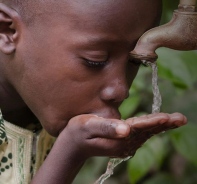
(122, 130)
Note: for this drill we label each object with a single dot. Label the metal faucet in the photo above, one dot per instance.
(179, 34)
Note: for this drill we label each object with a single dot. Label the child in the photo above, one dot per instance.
(65, 65)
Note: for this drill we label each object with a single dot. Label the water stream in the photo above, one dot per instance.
(157, 101)
(110, 169)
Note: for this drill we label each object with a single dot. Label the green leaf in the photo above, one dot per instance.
(166, 73)
(184, 140)
(174, 67)
(151, 155)
(189, 58)
(168, 7)
(129, 105)
(161, 178)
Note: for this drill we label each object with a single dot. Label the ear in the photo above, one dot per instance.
(8, 29)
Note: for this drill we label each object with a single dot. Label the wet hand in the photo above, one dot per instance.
(96, 136)
(144, 127)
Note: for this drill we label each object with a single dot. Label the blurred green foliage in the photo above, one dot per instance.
(169, 158)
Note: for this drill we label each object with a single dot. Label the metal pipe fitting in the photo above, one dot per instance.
(179, 34)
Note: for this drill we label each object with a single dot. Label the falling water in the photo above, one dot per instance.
(110, 169)
(157, 101)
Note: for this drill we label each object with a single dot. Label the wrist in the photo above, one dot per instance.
(70, 148)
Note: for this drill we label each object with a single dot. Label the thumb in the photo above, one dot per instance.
(108, 128)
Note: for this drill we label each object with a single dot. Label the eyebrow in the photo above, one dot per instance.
(106, 39)
(96, 40)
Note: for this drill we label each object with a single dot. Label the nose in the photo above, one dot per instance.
(116, 90)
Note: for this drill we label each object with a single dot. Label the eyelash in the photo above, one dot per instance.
(95, 64)
(100, 64)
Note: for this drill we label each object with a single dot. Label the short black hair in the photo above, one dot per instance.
(26, 8)
(21, 6)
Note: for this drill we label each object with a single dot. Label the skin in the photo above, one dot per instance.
(70, 69)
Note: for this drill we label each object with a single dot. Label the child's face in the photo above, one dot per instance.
(76, 60)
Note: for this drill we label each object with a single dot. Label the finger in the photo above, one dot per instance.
(142, 134)
(109, 128)
(96, 136)
(95, 126)
(155, 120)
(175, 120)
(147, 121)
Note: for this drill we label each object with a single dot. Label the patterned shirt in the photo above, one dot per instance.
(21, 152)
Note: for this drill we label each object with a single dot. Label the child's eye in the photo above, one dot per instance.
(95, 64)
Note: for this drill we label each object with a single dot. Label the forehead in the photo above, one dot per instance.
(104, 18)
(118, 15)
(100, 12)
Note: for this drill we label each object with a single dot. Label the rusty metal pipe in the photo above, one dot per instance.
(179, 34)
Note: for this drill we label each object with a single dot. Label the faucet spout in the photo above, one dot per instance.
(179, 34)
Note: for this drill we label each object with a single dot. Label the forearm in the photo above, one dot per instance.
(61, 166)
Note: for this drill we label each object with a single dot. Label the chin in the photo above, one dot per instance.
(54, 128)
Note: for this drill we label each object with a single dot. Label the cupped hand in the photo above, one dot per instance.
(90, 135)
(144, 127)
